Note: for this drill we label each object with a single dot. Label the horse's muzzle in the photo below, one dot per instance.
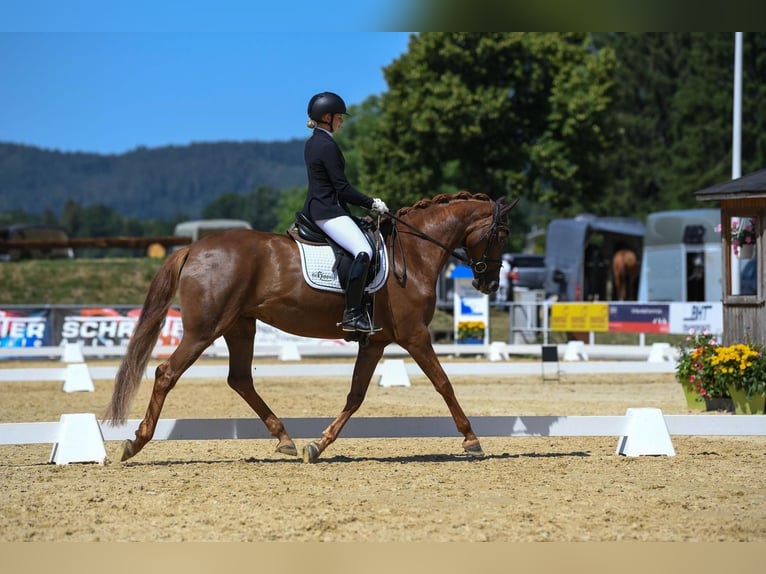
(483, 287)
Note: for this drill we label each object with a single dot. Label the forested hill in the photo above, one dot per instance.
(160, 183)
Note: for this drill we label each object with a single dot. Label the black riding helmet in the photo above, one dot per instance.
(326, 102)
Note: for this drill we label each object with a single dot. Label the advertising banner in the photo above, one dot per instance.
(699, 317)
(643, 318)
(24, 328)
(54, 326)
(110, 327)
(579, 317)
(471, 309)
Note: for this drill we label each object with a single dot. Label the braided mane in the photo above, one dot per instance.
(444, 198)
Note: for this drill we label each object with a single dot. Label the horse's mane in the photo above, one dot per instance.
(443, 198)
(386, 224)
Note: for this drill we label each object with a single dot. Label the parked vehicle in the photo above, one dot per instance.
(531, 270)
(34, 232)
(579, 252)
(197, 229)
(682, 256)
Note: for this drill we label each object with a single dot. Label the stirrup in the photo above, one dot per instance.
(360, 323)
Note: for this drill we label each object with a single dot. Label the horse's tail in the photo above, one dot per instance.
(156, 305)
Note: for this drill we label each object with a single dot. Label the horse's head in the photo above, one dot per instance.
(483, 244)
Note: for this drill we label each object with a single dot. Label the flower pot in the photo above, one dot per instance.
(694, 400)
(470, 341)
(746, 251)
(754, 405)
(719, 404)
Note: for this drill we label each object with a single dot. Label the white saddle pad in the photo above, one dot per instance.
(318, 262)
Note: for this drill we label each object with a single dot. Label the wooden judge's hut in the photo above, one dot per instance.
(743, 219)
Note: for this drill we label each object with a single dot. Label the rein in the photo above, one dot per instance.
(396, 239)
(479, 266)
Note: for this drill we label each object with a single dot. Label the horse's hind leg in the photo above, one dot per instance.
(240, 340)
(165, 377)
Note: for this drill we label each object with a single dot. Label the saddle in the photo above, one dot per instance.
(325, 264)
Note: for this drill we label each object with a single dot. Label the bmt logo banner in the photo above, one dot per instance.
(109, 328)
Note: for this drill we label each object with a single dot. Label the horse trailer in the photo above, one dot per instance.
(579, 254)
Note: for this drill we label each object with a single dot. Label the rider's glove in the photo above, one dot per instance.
(378, 206)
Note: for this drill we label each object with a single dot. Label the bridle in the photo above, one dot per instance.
(479, 266)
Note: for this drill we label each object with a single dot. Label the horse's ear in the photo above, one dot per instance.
(506, 207)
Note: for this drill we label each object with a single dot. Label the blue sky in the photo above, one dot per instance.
(109, 77)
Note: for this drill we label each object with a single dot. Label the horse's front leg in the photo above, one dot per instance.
(366, 360)
(425, 356)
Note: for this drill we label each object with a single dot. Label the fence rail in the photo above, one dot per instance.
(80, 437)
(496, 351)
(95, 242)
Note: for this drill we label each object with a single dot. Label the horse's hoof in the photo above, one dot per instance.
(288, 448)
(473, 449)
(127, 450)
(310, 452)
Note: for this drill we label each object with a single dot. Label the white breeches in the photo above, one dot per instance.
(346, 233)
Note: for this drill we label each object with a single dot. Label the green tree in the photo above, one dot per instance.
(71, 217)
(502, 113)
(16, 216)
(673, 111)
(290, 201)
(356, 135)
(258, 207)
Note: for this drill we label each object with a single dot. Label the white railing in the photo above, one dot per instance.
(642, 431)
(289, 351)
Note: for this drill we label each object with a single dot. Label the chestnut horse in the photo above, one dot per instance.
(228, 280)
(625, 275)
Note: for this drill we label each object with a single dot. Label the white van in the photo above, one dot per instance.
(200, 228)
(682, 256)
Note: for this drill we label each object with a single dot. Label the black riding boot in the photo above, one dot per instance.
(355, 317)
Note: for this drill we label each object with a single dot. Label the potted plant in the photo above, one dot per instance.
(741, 370)
(743, 237)
(470, 332)
(718, 377)
(693, 370)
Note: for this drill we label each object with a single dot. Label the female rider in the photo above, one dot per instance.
(329, 192)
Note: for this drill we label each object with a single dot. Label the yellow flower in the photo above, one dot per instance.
(712, 369)
(470, 329)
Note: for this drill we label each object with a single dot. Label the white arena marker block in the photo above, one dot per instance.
(645, 433)
(77, 378)
(72, 353)
(394, 374)
(575, 352)
(658, 352)
(80, 440)
(289, 352)
(497, 351)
